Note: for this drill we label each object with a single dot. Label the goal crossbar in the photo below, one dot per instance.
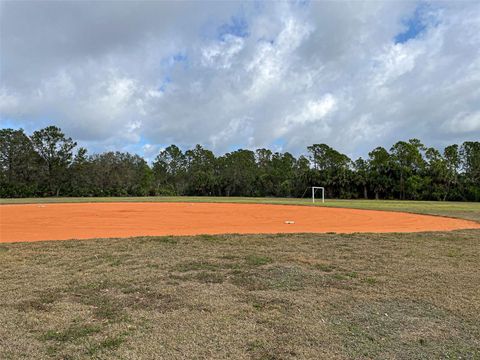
(315, 188)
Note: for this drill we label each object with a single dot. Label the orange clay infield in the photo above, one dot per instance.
(35, 222)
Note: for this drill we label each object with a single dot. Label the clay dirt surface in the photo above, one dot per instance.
(36, 222)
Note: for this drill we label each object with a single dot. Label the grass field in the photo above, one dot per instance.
(304, 296)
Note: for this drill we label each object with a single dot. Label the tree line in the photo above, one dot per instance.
(48, 163)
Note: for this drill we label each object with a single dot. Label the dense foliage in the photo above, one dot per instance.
(47, 163)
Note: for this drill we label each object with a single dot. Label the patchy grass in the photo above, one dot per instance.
(109, 344)
(325, 267)
(167, 240)
(370, 280)
(296, 296)
(256, 260)
(42, 301)
(72, 333)
(293, 296)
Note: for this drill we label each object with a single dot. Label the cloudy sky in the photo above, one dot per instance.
(137, 76)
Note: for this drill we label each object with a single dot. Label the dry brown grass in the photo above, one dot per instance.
(392, 296)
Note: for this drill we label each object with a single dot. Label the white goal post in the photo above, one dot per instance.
(315, 188)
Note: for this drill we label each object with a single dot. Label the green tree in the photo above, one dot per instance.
(302, 177)
(408, 161)
(435, 176)
(19, 164)
(238, 173)
(120, 174)
(283, 173)
(55, 149)
(169, 169)
(332, 170)
(470, 155)
(452, 158)
(379, 172)
(470, 160)
(80, 171)
(201, 171)
(361, 176)
(264, 180)
(44, 164)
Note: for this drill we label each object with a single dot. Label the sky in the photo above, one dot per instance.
(138, 76)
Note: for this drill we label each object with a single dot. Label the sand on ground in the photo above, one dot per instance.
(36, 222)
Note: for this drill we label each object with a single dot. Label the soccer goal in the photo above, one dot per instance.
(314, 189)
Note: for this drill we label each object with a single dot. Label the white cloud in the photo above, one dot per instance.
(313, 115)
(463, 123)
(236, 128)
(220, 54)
(9, 102)
(119, 74)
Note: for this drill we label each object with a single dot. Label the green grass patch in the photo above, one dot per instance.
(278, 278)
(352, 274)
(370, 280)
(110, 343)
(258, 260)
(325, 267)
(454, 253)
(208, 277)
(166, 240)
(42, 301)
(72, 333)
(196, 266)
(211, 238)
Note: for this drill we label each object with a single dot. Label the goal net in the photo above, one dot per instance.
(316, 196)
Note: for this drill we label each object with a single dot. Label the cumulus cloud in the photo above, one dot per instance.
(139, 76)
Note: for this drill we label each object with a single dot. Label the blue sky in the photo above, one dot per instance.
(237, 26)
(138, 76)
(414, 25)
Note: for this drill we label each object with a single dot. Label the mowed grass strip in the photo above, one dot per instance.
(305, 296)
